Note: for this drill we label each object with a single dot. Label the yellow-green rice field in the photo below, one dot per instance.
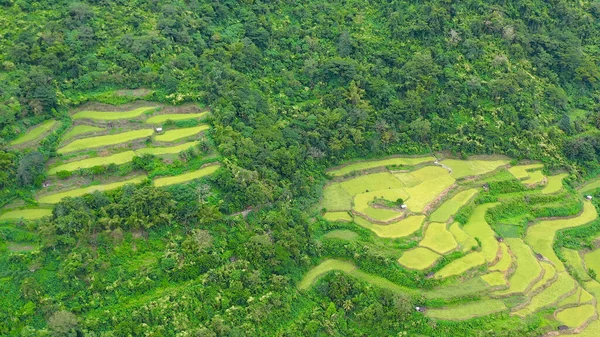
(80, 130)
(26, 214)
(56, 197)
(364, 165)
(111, 115)
(185, 177)
(402, 228)
(438, 238)
(107, 140)
(418, 258)
(158, 119)
(34, 133)
(176, 134)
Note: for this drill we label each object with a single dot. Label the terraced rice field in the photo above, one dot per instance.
(465, 241)
(463, 288)
(364, 165)
(34, 133)
(494, 279)
(435, 181)
(342, 234)
(177, 134)
(575, 317)
(118, 159)
(554, 183)
(558, 290)
(528, 268)
(80, 130)
(521, 172)
(337, 216)
(182, 178)
(592, 260)
(100, 141)
(548, 276)
(535, 178)
(336, 198)
(402, 228)
(505, 260)
(590, 186)
(157, 151)
(468, 310)
(362, 203)
(159, 119)
(574, 260)
(110, 115)
(451, 206)
(56, 197)
(418, 258)
(438, 238)
(581, 296)
(477, 227)
(461, 265)
(26, 214)
(467, 168)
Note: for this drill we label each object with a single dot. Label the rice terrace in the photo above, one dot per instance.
(466, 238)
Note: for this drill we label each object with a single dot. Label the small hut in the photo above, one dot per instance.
(588, 197)
(539, 256)
(486, 187)
(403, 206)
(158, 129)
(46, 184)
(420, 308)
(563, 328)
(499, 239)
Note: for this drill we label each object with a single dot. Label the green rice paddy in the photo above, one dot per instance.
(364, 165)
(494, 279)
(535, 178)
(402, 228)
(461, 265)
(554, 183)
(505, 260)
(467, 168)
(56, 197)
(157, 151)
(451, 206)
(574, 260)
(463, 288)
(80, 130)
(468, 310)
(521, 171)
(549, 275)
(323, 268)
(477, 227)
(34, 133)
(435, 181)
(438, 238)
(590, 186)
(592, 260)
(551, 295)
(100, 141)
(182, 178)
(342, 234)
(158, 119)
(336, 198)
(26, 214)
(110, 115)
(337, 216)
(118, 159)
(465, 241)
(575, 317)
(527, 271)
(362, 203)
(418, 258)
(176, 134)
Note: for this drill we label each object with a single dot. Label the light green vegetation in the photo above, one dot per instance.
(571, 300)
(574, 260)
(541, 235)
(435, 181)
(173, 117)
(362, 200)
(585, 296)
(468, 310)
(335, 198)
(465, 241)
(549, 274)
(551, 295)
(590, 186)
(577, 113)
(554, 183)
(535, 177)
(592, 330)
(26, 214)
(467, 168)
(418, 258)
(80, 130)
(477, 227)
(176, 134)
(337, 216)
(100, 141)
(343, 234)
(494, 279)
(450, 207)
(34, 133)
(521, 171)
(111, 115)
(462, 288)
(54, 198)
(165, 149)
(592, 260)
(575, 317)
(461, 265)
(438, 238)
(350, 269)
(505, 260)
(364, 165)
(182, 178)
(527, 271)
(323, 268)
(371, 182)
(118, 159)
(402, 228)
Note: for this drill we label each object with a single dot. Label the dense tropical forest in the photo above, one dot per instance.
(290, 89)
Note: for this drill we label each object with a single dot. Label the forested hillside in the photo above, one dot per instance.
(292, 88)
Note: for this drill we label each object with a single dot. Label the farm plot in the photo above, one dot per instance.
(362, 203)
(494, 279)
(435, 181)
(34, 133)
(468, 310)
(554, 183)
(182, 178)
(26, 214)
(465, 241)
(469, 287)
(55, 198)
(590, 186)
(505, 260)
(337, 216)
(100, 141)
(467, 168)
(528, 268)
(535, 178)
(336, 198)
(579, 297)
(574, 260)
(541, 235)
(157, 151)
(461, 265)
(176, 134)
(521, 171)
(438, 238)
(418, 258)
(80, 130)
(575, 317)
(592, 260)
(158, 119)
(402, 228)
(450, 207)
(342, 234)
(477, 227)
(111, 115)
(117, 159)
(548, 277)
(364, 165)
(551, 295)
